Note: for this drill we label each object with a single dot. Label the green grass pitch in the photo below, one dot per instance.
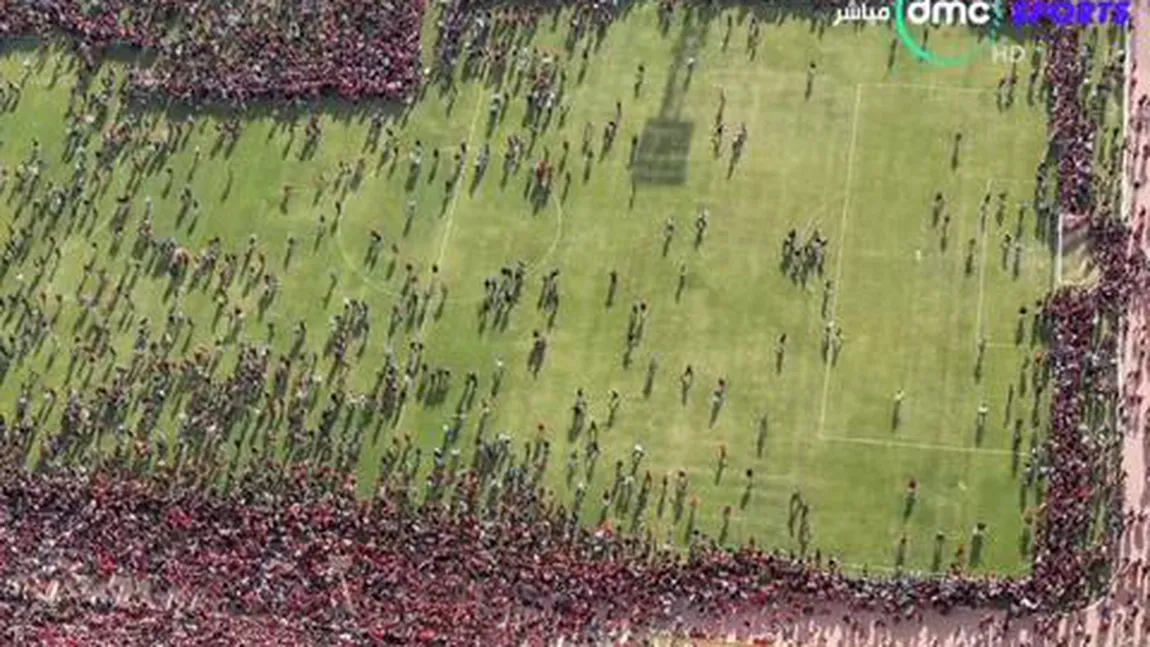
(859, 159)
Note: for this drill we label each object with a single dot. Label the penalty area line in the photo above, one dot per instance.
(833, 306)
(929, 87)
(901, 444)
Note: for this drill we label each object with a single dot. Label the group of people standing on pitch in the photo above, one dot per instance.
(478, 555)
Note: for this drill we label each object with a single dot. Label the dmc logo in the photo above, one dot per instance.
(985, 14)
(949, 12)
(1028, 12)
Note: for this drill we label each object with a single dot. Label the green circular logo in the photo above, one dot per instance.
(947, 60)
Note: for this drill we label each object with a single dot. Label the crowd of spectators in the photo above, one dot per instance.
(111, 559)
(1084, 460)
(284, 557)
(224, 52)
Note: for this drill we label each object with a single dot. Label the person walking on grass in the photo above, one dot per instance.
(780, 352)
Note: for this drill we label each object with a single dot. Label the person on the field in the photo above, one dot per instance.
(780, 352)
(980, 419)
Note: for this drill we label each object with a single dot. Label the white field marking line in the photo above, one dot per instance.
(355, 269)
(531, 267)
(982, 269)
(1059, 246)
(882, 568)
(709, 472)
(906, 572)
(842, 253)
(929, 86)
(383, 289)
(882, 442)
(795, 466)
(538, 263)
(459, 183)
(1007, 181)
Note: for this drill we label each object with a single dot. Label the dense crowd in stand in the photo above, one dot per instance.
(282, 558)
(1081, 357)
(220, 52)
(330, 568)
(1072, 133)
